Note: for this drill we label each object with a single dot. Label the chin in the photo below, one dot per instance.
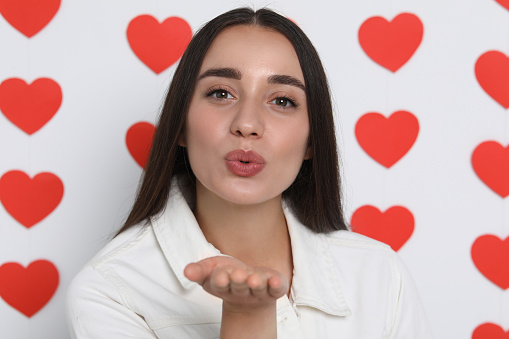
(240, 192)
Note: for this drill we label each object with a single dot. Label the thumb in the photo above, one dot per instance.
(200, 271)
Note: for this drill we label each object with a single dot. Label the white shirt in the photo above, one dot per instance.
(344, 286)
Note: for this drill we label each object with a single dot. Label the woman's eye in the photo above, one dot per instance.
(221, 94)
(283, 102)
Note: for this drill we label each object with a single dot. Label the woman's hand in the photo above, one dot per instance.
(249, 295)
(243, 288)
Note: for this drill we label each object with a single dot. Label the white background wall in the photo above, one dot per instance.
(106, 89)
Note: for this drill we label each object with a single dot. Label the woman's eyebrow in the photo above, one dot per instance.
(233, 73)
(225, 72)
(286, 80)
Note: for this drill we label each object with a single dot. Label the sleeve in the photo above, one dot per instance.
(410, 320)
(94, 309)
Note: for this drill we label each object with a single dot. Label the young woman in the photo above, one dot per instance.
(237, 229)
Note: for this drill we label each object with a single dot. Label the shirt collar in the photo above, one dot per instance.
(180, 236)
(315, 281)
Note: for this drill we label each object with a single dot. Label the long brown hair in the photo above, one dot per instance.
(314, 196)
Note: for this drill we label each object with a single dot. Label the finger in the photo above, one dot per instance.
(200, 271)
(219, 282)
(238, 283)
(277, 287)
(196, 272)
(258, 285)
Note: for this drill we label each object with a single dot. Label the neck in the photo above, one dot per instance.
(255, 234)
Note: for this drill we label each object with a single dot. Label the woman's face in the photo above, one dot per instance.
(247, 127)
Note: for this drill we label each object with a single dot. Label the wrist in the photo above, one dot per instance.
(249, 322)
(254, 309)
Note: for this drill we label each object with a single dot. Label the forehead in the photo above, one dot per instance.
(252, 48)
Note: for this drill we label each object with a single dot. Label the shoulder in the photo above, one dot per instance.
(127, 241)
(355, 240)
(358, 249)
(100, 291)
(123, 255)
(364, 265)
(373, 276)
(116, 249)
(351, 251)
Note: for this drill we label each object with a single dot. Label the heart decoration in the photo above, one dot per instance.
(138, 140)
(393, 227)
(158, 45)
(490, 331)
(391, 44)
(29, 289)
(387, 140)
(491, 257)
(492, 73)
(29, 16)
(30, 200)
(504, 3)
(30, 107)
(490, 161)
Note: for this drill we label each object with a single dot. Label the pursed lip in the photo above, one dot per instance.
(244, 163)
(245, 156)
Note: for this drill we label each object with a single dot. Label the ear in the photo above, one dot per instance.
(309, 153)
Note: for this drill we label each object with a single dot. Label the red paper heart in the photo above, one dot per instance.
(391, 44)
(492, 73)
(504, 3)
(393, 227)
(30, 200)
(387, 140)
(29, 16)
(489, 331)
(490, 161)
(30, 106)
(28, 289)
(158, 45)
(491, 257)
(138, 140)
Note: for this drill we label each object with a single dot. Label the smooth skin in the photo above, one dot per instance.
(250, 96)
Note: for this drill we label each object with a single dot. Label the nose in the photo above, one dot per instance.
(248, 121)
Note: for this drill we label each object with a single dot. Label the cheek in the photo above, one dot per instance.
(292, 146)
(203, 136)
(204, 129)
(294, 140)
(195, 124)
